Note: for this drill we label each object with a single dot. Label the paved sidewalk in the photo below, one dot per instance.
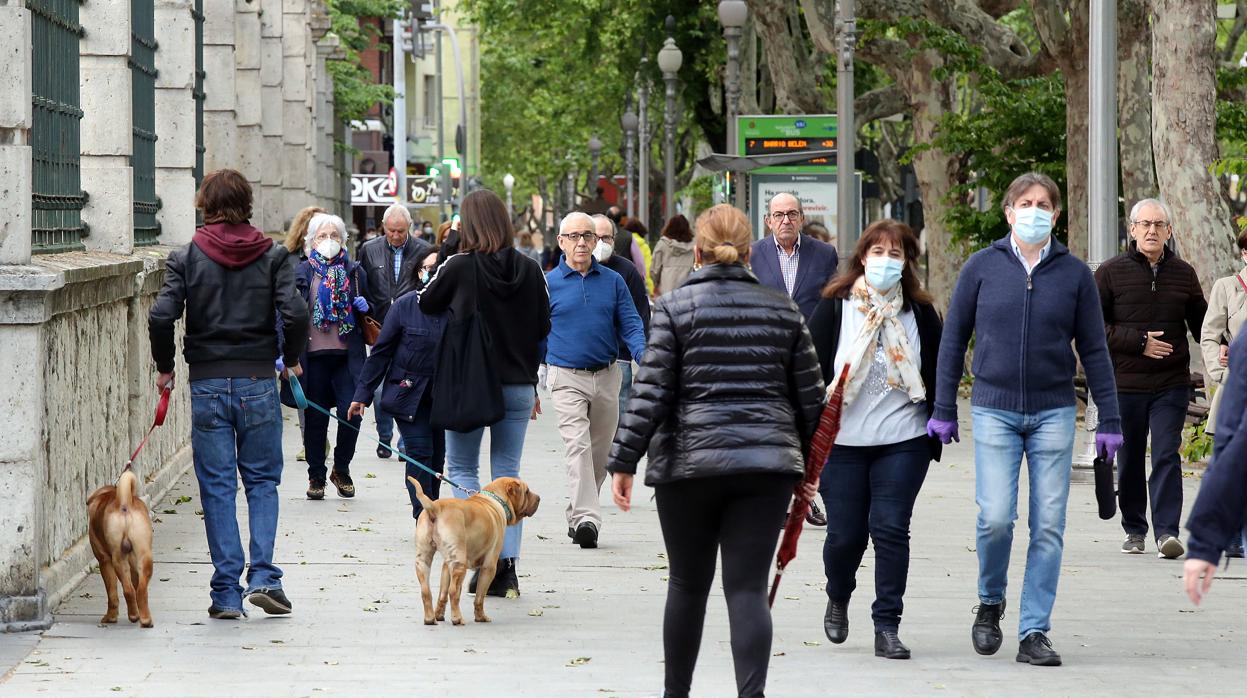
(589, 622)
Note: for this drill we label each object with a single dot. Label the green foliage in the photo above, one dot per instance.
(701, 192)
(1231, 122)
(1196, 443)
(354, 91)
(1016, 126)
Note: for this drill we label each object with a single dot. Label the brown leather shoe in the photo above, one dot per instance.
(342, 481)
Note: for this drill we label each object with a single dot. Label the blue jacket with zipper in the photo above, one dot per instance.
(404, 357)
(1023, 326)
(1220, 511)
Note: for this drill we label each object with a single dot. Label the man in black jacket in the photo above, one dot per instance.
(234, 285)
(605, 254)
(1150, 300)
(391, 262)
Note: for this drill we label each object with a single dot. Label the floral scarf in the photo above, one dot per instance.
(882, 324)
(331, 299)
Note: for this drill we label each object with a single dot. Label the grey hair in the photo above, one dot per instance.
(396, 209)
(800, 209)
(604, 217)
(319, 221)
(574, 216)
(1134, 210)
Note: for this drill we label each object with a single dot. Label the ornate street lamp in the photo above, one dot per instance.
(508, 181)
(644, 150)
(732, 15)
(595, 149)
(629, 123)
(669, 61)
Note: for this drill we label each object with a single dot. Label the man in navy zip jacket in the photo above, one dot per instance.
(1220, 512)
(1025, 298)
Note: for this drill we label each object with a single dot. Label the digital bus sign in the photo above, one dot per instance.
(780, 134)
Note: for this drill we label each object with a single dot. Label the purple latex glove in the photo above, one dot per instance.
(279, 365)
(946, 432)
(361, 304)
(1107, 445)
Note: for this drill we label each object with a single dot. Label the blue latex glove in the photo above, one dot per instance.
(946, 432)
(1107, 445)
(280, 365)
(361, 304)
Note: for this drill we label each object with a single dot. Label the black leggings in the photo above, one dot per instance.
(742, 514)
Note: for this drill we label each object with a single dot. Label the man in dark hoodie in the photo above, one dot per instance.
(234, 284)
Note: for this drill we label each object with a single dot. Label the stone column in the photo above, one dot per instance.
(15, 152)
(220, 127)
(107, 126)
(175, 120)
(247, 61)
(294, 39)
(271, 106)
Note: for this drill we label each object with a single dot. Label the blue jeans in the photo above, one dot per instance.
(625, 385)
(1001, 438)
(506, 445)
(236, 430)
(870, 490)
(427, 446)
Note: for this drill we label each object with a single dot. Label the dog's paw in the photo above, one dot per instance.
(147, 623)
(133, 619)
(482, 618)
(430, 621)
(441, 616)
(108, 619)
(456, 621)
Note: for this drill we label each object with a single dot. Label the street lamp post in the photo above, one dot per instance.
(571, 184)
(847, 231)
(508, 181)
(732, 15)
(669, 60)
(595, 149)
(629, 123)
(644, 151)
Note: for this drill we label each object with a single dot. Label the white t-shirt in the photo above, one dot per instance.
(879, 415)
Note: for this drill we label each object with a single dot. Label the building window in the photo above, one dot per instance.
(430, 101)
(56, 129)
(143, 104)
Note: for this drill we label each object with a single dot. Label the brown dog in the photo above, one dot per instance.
(120, 531)
(468, 533)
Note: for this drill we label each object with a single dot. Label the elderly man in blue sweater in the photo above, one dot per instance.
(591, 313)
(1024, 298)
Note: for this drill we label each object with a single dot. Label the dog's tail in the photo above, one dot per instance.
(424, 500)
(127, 484)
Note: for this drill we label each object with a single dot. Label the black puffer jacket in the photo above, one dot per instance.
(729, 383)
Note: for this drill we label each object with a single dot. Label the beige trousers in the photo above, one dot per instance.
(587, 405)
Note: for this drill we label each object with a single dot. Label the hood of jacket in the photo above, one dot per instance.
(502, 272)
(680, 249)
(232, 245)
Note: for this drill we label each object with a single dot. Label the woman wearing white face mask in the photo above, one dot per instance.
(876, 319)
(335, 290)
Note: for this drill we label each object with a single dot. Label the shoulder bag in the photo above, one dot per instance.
(467, 393)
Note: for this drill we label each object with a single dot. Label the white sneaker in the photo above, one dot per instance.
(1169, 547)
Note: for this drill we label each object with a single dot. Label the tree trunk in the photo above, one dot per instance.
(1077, 121)
(1183, 123)
(1134, 102)
(795, 85)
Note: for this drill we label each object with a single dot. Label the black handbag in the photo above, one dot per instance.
(467, 393)
(1105, 491)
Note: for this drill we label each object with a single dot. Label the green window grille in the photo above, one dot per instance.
(143, 95)
(200, 95)
(55, 134)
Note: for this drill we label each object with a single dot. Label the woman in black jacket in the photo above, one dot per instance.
(486, 274)
(725, 401)
(877, 319)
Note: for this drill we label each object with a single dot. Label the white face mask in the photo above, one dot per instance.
(602, 251)
(328, 248)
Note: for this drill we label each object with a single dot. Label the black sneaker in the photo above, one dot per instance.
(506, 583)
(889, 646)
(985, 633)
(273, 601)
(384, 451)
(1037, 649)
(1235, 549)
(836, 621)
(586, 535)
(219, 613)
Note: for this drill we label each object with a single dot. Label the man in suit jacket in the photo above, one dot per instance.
(789, 261)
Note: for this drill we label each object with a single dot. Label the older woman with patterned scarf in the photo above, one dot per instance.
(334, 288)
(876, 319)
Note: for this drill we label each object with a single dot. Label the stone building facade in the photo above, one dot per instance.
(110, 113)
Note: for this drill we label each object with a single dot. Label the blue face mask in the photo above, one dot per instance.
(1032, 224)
(883, 272)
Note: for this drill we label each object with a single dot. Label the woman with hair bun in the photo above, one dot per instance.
(725, 401)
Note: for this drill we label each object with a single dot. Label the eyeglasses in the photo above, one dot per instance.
(590, 238)
(1151, 225)
(781, 215)
(428, 267)
(608, 239)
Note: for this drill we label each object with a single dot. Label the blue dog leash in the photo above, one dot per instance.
(301, 400)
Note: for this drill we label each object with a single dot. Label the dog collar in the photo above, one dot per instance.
(506, 508)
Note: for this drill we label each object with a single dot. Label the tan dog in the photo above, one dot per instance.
(120, 531)
(468, 533)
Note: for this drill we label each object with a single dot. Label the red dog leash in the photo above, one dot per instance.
(162, 409)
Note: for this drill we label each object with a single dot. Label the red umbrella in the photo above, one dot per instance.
(820, 446)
